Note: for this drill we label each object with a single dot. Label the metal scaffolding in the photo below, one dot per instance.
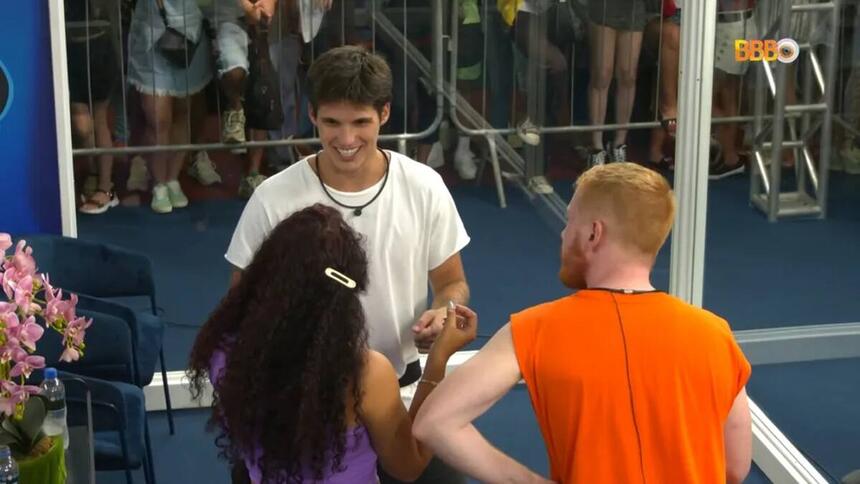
(768, 191)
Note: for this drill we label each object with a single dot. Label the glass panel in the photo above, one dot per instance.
(787, 264)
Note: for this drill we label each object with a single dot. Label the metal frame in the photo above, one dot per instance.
(695, 85)
(63, 118)
(766, 191)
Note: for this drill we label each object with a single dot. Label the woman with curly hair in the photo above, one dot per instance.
(297, 394)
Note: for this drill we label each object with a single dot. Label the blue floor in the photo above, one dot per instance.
(757, 275)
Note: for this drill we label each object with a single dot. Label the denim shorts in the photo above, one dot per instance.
(231, 47)
(724, 44)
(148, 70)
(230, 35)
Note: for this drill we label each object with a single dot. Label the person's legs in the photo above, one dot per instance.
(179, 134)
(667, 107)
(158, 120)
(536, 45)
(655, 148)
(82, 125)
(726, 91)
(201, 167)
(669, 55)
(602, 60)
(728, 99)
(103, 140)
(500, 69)
(250, 182)
(233, 66)
(103, 198)
(628, 46)
(83, 136)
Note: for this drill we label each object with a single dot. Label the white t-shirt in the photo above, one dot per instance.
(412, 228)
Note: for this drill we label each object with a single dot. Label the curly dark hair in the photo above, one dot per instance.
(295, 343)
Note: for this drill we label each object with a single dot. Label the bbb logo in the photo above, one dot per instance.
(785, 50)
(5, 91)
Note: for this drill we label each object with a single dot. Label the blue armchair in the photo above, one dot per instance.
(117, 416)
(105, 271)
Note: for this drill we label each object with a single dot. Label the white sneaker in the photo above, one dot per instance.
(540, 185)
(138, 175)
(203, 170)
(249, 184)
(233, 126)
(160, 199)
(436, 158)
(464, 163)
(596, 158)
(619, 153)
(175, 194)
(529, 133)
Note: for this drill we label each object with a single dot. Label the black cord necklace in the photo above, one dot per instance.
(356, 209)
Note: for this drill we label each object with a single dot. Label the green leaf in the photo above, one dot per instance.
(35, 411)
(10, 426)
(7, 439)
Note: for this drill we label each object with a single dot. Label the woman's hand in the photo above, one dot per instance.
(460, 329)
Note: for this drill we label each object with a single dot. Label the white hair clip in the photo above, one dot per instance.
(340, 277)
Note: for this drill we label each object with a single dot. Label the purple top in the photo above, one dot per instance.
(359, 459)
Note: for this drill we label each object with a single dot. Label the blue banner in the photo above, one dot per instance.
(29, 190)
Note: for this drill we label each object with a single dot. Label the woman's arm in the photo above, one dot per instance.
(382, 411)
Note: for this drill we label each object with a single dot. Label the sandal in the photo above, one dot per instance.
(670, 125)
(93, 206)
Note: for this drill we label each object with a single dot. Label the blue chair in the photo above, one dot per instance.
(109, 352)
(119, 406)
(117, 415)
(105, 271)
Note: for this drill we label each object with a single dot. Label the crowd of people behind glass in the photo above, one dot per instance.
(184, 72)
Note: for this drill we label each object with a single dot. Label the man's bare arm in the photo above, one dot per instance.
(444, 422)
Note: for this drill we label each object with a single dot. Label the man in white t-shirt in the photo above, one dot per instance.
(412, 231)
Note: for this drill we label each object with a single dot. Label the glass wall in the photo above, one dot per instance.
(509, 107)
(782, 224)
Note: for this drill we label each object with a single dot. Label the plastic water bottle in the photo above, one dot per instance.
(8, 467)
(55, 393)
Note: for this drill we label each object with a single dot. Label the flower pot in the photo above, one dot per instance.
(47, 468)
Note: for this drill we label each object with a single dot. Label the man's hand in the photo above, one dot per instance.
(428, 326)
(255, 10)
(252, 12)
(267, 7)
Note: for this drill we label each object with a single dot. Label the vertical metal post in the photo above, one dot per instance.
(827, 128)
(68, 213)
(806, 123)
(758, 176)
(536, 91)
(695, 88)
(758, 181)
(778, 120)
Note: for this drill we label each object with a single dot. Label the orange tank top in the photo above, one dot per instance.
(630, 388)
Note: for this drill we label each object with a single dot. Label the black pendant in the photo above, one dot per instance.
(357, 212)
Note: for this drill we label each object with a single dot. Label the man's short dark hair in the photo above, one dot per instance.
(350, 74)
